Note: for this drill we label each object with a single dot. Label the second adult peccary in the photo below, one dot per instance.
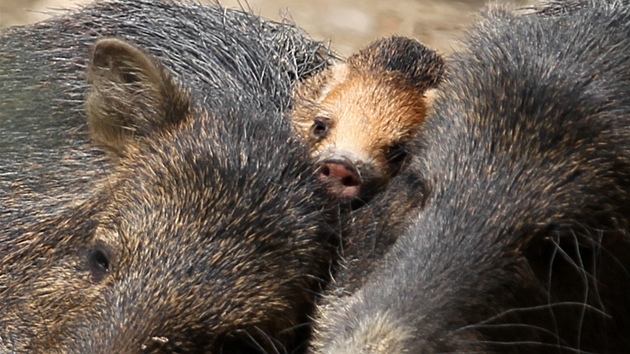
(523, 244)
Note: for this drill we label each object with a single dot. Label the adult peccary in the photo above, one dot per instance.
(201, 229)
(42, 82)
(522, 246)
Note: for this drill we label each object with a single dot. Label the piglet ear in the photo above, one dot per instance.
(131, 95)
(421, 66)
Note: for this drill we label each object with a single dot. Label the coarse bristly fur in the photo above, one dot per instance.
(523, 245)
(361, 113)
(207, 231)
(42, 83)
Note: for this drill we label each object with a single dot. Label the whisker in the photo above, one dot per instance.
(517, 325)
(579, 266)
(549, 282)
(271, 341)
(532, 343)
(253, 341)
(298, 326)
(534, 308)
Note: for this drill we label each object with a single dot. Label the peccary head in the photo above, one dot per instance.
(210, 235)
(523, 244)
(359, 116)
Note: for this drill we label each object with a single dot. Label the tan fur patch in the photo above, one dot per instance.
(369, 113)
(360, 117)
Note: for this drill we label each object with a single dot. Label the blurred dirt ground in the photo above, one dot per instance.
(348, 24)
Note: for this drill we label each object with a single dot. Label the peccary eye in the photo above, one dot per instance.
(320, 127)
(98, 261)
(397, 153)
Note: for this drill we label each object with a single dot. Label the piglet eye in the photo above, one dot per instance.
(397, 153)
(320, 127)
(98, 262)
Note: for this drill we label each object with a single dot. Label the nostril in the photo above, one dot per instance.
(324, 170)
(341, 172)
(341, 177)
(351, 181)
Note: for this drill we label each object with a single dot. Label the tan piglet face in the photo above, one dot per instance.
(367, 118)
(359, 116)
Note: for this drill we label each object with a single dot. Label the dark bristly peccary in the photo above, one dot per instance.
(522, 245)
(202, 228)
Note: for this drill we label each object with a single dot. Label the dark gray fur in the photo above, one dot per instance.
(523, 244)
(42, 82)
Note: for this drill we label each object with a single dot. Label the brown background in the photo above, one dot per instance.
(348, 24)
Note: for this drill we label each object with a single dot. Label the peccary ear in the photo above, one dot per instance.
(422, 67)
(131, 95)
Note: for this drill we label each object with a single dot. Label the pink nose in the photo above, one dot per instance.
(341, 178)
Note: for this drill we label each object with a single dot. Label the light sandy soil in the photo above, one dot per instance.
(348, 24)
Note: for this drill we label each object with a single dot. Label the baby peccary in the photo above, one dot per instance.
(204, 238)
(358, 116)
(523, 245)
